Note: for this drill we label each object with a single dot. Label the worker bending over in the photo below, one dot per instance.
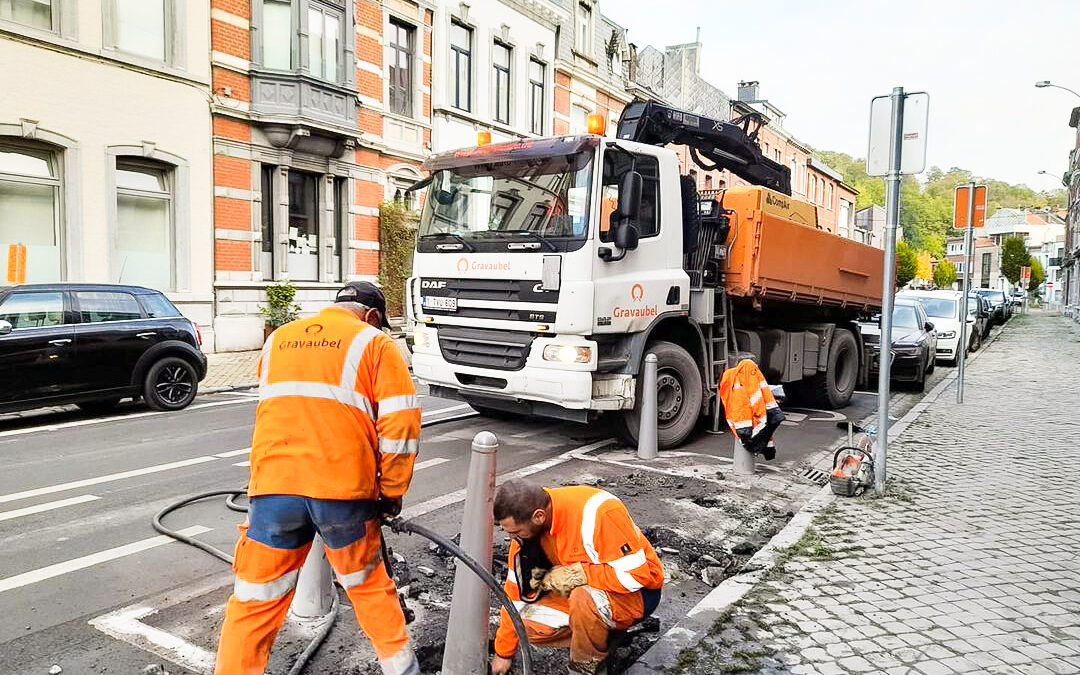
(578, 568)
(336, 435)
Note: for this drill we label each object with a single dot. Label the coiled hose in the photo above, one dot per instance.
(398, 525)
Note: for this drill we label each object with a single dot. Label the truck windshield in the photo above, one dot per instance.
(538, 204)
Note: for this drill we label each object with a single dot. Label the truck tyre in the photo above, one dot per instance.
(678, 400)
(833, 388)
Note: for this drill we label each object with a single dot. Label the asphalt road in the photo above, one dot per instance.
(77, 494)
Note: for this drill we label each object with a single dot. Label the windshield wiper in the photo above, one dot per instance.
(529, 233)
(452, 235)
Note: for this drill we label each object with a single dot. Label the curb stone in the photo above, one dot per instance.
(699, 620)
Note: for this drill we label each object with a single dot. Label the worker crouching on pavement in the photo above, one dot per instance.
(585, 566)
(336, 435)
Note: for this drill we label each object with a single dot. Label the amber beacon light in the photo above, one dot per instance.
(483, 138)
(596, 124)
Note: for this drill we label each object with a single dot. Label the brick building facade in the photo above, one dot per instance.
(322, 111)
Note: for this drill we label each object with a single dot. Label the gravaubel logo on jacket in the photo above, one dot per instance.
(313, 342)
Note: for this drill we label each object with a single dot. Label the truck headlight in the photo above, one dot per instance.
(567, 354)
(947, 335)
(421, 339)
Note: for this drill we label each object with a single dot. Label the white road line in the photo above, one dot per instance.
(37, 492)
(75, 564)
(233, 453)
(441, 501)
(428, 463)
(48, 506)
(244, 463)
(124, 624)
(531, 433)
(448, 409)
(114, 418)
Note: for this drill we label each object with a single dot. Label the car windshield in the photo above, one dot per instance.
(904, 316)
(941, 308)
(544, 201)
(992, 296)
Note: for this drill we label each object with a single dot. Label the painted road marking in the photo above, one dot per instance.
(114, 418)
(448, 409)
(124, 624)
(427, 463)
(48, 506)
(244, 463)
(233, 453)
(37, 492)
(75, 564)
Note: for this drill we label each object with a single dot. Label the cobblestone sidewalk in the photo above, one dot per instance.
(971, 562)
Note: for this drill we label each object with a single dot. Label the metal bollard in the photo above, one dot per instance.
(646, 445)
(315, 585)
(466, 651)
(744, 460)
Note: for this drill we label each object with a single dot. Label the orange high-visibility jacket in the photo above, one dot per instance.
(749, 405)
(337, 415)
(592, 527)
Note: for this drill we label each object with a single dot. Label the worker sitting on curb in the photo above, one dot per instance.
(336, 435)
(586, 569)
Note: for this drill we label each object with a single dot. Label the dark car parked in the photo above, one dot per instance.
(1002, 308)
(914, 343)
(93, 345)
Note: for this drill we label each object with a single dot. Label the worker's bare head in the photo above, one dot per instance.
(522, 509)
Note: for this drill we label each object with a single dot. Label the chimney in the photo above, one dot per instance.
(748, 91)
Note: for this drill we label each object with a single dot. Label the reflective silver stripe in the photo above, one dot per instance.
(603, 605)
(395, 404)
(317, 390)
(264, 373)
(622, 568)
(398, 446)
(545, 615)
(743, 425)
(771, 405)
(759, 426)
(755, 397)
(268, 590)
(352, 579)
(511, 577)
(402, 663)
(588, 523)
(351, 370)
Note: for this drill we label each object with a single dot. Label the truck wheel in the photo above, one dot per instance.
(678, 398)
(833, 388)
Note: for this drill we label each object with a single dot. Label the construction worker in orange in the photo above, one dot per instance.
(336, 434)
(578, 569)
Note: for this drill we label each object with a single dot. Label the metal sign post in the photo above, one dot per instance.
(969, 212)
(899, 148)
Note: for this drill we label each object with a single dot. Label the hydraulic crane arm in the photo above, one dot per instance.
(714, 144)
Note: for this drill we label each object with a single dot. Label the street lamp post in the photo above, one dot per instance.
(1042, 84)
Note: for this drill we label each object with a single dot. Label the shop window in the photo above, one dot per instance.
(30, 184)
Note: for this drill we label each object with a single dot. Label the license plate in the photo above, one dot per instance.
(435, 302)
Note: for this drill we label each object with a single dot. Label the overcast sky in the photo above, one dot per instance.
(821, 61)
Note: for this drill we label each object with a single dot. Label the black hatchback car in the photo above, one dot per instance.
(93, 345)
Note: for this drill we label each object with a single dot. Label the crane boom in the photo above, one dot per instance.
(714, 144)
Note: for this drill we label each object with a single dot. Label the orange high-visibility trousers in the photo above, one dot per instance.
(266, 581)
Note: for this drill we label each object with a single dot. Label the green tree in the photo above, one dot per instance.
(907, 262)
(1038, 275)
(397, 238)
(1014, 255)
(944, 274)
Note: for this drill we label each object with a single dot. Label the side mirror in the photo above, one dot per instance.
(626, 236)
(5, 327)
(630, 195)
(928, 326)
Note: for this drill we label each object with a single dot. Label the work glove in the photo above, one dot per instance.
(535, 578)
(389, 507)
(564, 578)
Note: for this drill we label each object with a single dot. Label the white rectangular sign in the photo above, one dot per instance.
(913, 147)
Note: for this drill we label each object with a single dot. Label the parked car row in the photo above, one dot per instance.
(999, 303)
(93, 345)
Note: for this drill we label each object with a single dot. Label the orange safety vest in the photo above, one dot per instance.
(749, 406)
(591, 527)
(337, 415)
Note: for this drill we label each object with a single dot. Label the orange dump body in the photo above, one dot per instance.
(778, 253)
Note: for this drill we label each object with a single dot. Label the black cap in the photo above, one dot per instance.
(365, 293)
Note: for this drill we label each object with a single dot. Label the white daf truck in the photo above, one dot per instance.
(546, 269)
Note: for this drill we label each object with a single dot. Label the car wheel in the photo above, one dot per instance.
(833, 388)
(171, 384)
(976, 342)
(104, 405)
(933, 364)
(920, 384)
(678, 398)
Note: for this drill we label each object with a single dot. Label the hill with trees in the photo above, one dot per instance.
(926, 207)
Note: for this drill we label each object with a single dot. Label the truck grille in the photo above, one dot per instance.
(502, 350)
(513, 290)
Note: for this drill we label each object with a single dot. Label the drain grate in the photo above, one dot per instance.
(816, 476)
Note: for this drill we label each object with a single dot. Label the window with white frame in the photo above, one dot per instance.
(324, 41)
(30, 223)
(584, 36)
(303, 232)
(34, 13)
(144, 224)
(140, 27)
(500, 62)
(460, 66)
(277, 34)
(578, 119)
(401, 67)
(536, 96)
(829, 198)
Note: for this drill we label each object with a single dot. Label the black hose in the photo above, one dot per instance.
(409, 527)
